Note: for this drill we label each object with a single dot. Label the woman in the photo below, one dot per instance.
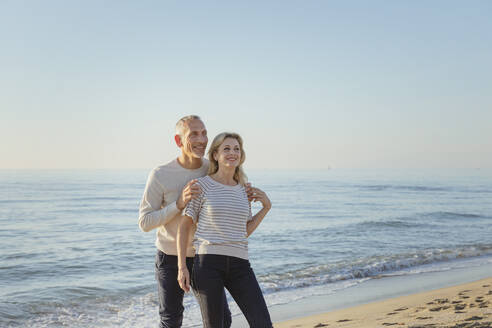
(223, 216)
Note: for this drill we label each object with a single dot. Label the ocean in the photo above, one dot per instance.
(71, 252)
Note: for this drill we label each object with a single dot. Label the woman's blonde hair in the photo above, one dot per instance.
(239, 174)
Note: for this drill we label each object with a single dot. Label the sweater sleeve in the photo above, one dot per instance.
(151, 215)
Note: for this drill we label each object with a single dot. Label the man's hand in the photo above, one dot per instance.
(184, 279)
(190, 191)
(249, 191)
(259, 195)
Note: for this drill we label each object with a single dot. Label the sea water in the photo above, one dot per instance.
(71, 252)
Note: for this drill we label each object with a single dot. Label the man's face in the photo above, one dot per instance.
(194, 140)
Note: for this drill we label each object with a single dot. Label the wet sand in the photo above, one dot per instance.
(462, 306)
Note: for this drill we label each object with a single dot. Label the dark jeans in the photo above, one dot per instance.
(171, 295)
(211, 273)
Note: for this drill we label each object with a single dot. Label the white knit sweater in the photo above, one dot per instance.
(158, 206)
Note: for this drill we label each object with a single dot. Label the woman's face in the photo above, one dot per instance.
(229, 153)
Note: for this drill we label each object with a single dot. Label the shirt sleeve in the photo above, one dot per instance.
(250, 215)
(194, 206)
(151, 213)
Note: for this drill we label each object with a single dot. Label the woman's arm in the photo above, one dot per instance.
(182, 243)
(258, 195)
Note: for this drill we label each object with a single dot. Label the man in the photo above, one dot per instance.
(169, 188)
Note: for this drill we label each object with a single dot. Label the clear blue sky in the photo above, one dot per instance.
(309, 84)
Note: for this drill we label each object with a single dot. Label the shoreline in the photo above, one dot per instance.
(326, 299)
(460, 306)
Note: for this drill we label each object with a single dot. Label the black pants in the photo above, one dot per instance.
(211, 273)
(171, 295)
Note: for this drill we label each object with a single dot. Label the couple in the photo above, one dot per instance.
(202, 212)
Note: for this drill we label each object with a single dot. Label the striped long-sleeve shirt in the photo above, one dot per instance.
(221, 213)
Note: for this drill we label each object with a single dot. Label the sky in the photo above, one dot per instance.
(308, 84)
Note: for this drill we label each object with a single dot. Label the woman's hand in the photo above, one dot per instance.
(261, 196)
(184, 279)
(182, 242)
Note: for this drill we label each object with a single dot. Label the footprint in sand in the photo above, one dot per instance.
(485, 285)
(401, 309)
(391, 313)
(490, 292)
(459, 311)
(474, 318)
(440, 308)
(464, 296)
(456, 302)
(441, 300)
(460, 306)
(423, 318)
(344, 320)
(321, 325)
(392, 323)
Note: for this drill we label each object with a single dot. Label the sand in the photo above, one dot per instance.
(463, 306)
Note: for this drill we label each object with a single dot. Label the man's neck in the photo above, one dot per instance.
(189, 162)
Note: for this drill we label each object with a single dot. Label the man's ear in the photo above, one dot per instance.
(177, 138)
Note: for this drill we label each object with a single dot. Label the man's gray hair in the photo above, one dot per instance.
(180, 126)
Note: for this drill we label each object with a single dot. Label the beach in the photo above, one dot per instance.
(463, 306)
(333, 240)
